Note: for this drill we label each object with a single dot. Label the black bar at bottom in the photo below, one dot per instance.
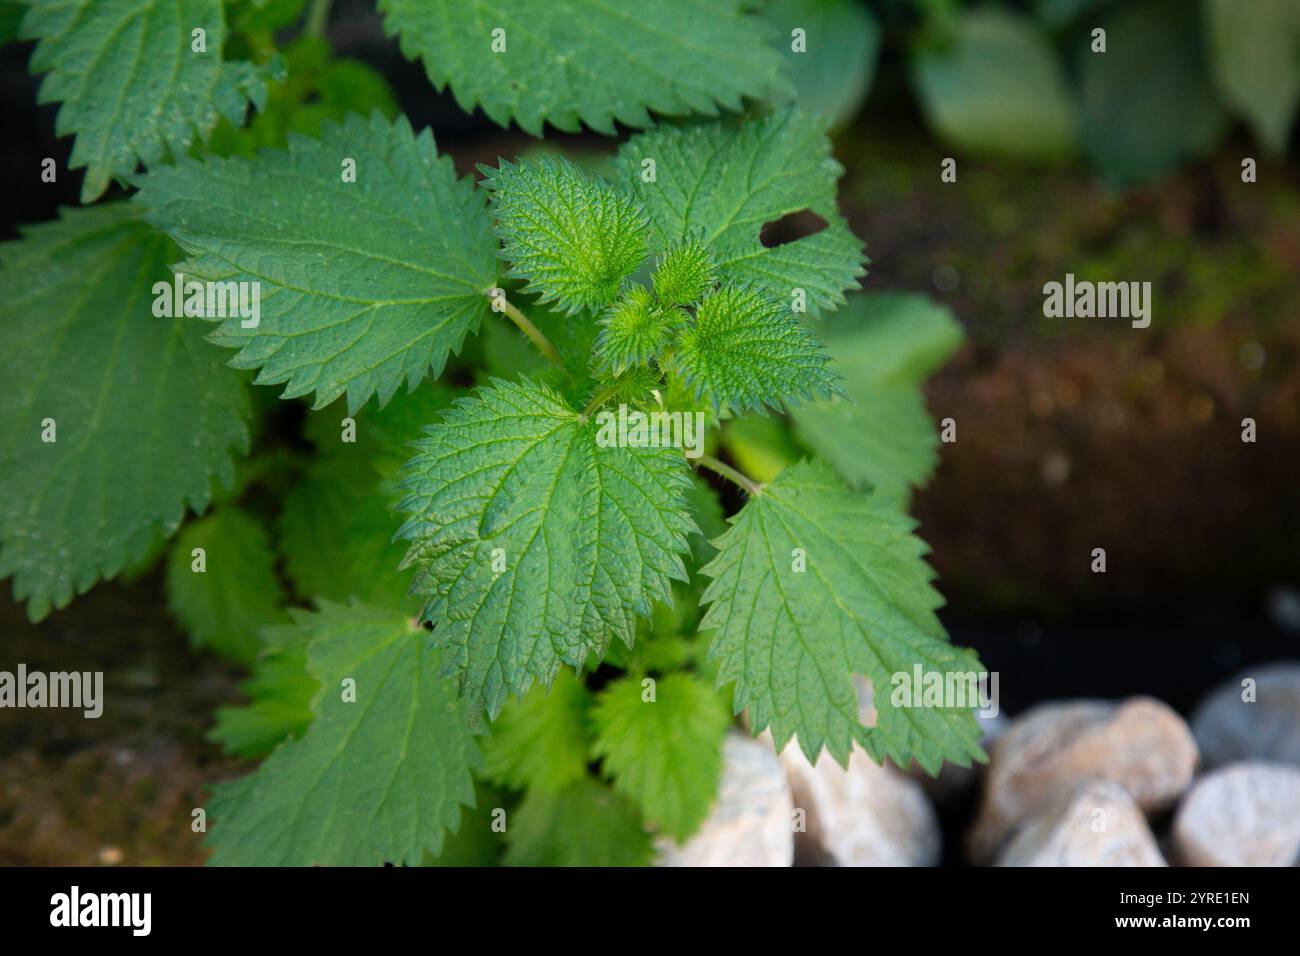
(332, 905)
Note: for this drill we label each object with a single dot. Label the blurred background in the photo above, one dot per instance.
(1073, 434)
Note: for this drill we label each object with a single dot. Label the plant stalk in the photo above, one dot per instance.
(317, 17)
(749, 485)
(534, 334)
(600, 399)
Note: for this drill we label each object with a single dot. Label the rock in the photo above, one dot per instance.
(1246, 814)
(1140, 744)
(1097, 824)
(1229, 729)
(867, 815)
(751, 823)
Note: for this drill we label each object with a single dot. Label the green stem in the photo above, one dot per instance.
(604, 395)
(533, 332)
(731, 474)
(317, 17)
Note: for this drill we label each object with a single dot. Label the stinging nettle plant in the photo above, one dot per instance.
(512, 617)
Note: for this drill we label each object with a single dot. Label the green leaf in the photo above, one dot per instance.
(378, 779)
(382, 437)
(879, 433)
(792, 640)
(146, 416)
(479, 841)
(684, 273)
(570, 234)
(998, 89)
(634, 330)
(132, 88)
(663, 754)
(336, 534)
(337, 523)
(281, 693)
(315, 87)
(534, 544)
(1255, 55)
(225, 606)
(746, 351)
(834, 70)
(1148, 103)
(585, 825)
(572, 61)
(363, 284)
(540, 741)
(882, 438)
(722, 185)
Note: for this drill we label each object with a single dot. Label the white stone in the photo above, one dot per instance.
(1245, 814)
(1098, 824)
(867, 815)
(1140, 744)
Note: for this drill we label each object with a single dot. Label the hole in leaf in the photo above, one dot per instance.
(792, 226)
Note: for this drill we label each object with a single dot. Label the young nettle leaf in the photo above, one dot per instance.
(586, 824)
(812, 584)
(884, 344)
(569, 61)
(747, 351)
(570, 234)
(634, 330)
(540, 742)
(663, 752)
(684, 273)
(227, 592)
(138, 79)
(381, 773)
(116, 420)
(535, 539)
(723, 185)
(373, 260)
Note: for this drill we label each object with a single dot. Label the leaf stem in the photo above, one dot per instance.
(317, 17)
(718, 467)
(534, 334)
(600, 399)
